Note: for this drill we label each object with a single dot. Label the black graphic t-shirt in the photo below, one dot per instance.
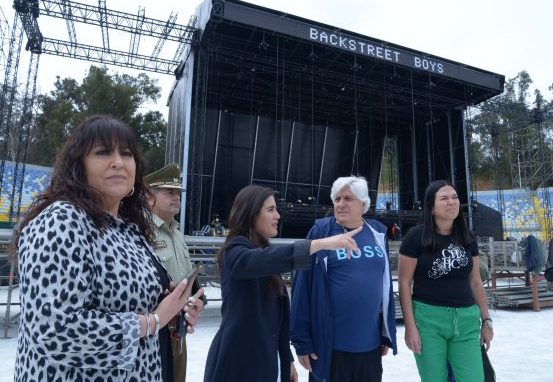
(442, 275)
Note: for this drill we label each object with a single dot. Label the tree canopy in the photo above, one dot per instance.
(100, 92)
(512, 138)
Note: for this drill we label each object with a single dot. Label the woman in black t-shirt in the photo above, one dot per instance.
(446, 316)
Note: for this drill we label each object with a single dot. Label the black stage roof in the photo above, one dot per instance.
(292, 104)
(267, 52)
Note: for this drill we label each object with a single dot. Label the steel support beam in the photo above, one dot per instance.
(9, 89)
(113, 57)
(22, 137)
(104, 24)
(136, 34)
(122, 21)
(69, 22)
(161, 41)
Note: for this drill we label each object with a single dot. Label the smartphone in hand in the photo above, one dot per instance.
(182, 324)
(193, 274)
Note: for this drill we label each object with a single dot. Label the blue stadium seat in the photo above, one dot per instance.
(35, 181)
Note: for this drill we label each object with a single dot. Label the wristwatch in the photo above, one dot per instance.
(487, 322)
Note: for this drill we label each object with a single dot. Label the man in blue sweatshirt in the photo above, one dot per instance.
(343, 315)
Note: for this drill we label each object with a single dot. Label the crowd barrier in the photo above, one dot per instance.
(503, 258)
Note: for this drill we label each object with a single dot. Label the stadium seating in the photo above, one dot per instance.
(523, 215)
(386, 197)
(524, 210)
(36, 179)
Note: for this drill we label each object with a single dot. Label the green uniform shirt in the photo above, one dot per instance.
(171, 249)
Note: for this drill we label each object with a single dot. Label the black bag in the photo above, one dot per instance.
(549, 274)
(549, 266)
(489, 373)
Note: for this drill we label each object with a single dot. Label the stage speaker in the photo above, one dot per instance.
(486, 221)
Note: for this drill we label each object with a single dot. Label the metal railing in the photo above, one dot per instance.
(501, 255)
(5, 262)
(203, 249)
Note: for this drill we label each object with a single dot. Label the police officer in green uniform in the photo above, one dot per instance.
(170, 245)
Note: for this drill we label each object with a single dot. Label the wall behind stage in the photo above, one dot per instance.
(298, 160)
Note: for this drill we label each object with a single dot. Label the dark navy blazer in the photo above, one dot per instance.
(254, 330)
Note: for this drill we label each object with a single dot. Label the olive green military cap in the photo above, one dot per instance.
(166, 177)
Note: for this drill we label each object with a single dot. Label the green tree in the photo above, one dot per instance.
(508, 136)
(100, 92)
(151, 130)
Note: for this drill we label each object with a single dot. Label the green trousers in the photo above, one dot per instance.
(448, 334)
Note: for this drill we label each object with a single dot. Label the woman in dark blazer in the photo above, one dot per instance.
(252, 343)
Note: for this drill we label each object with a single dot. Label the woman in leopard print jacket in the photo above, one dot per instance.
(92, 289)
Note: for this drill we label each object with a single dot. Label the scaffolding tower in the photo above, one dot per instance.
(16, 125)
(11, 52)
(532, 166)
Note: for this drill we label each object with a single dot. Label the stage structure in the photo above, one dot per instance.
(272, 99)
(534, 167)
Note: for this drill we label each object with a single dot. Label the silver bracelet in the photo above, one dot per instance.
(148, 333)
(156, 318)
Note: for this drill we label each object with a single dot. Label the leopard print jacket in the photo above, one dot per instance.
(81, 292)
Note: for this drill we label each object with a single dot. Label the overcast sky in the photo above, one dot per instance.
(502, 36)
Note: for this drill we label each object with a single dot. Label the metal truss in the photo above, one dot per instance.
(189, 37)
(532, 164)
(112, 57)
(136, 25)
(21, 137)
(69, 22)
(135, 35)
(115, 20)
(496, 153)
(27, 10)
(4, 41)
(161, 41)
(197, 142)
(103, 19)
(9, 90)
(15, 135)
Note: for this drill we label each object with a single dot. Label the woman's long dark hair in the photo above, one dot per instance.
(69, 181)
(243, 214)
(460, 233)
